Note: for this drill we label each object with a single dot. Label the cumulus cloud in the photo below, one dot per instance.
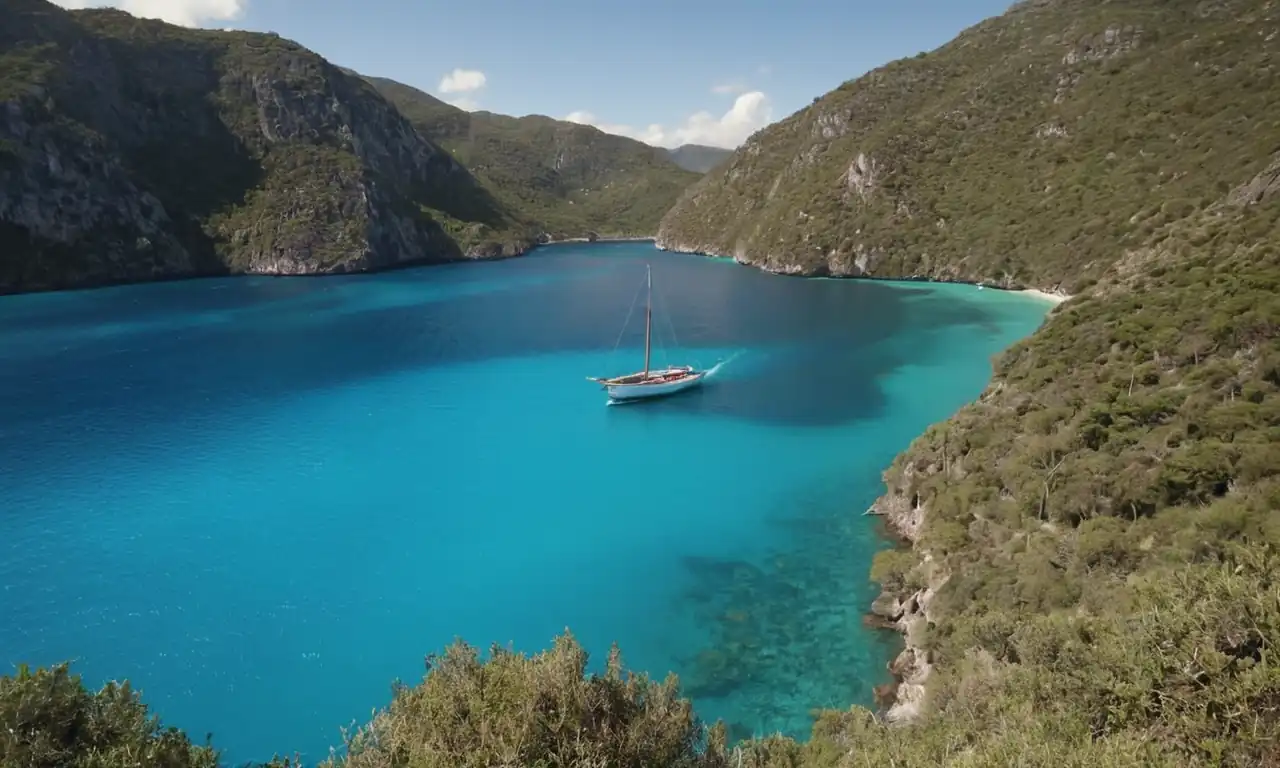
(466, 84)
(188, 13)
(462, 81)
(750, 112)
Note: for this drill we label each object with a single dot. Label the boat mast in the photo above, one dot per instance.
(648, 318)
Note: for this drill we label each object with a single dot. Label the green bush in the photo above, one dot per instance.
(49, 720)
(540, 710)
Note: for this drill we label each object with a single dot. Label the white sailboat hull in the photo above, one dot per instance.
(655, 387)
(648, 384)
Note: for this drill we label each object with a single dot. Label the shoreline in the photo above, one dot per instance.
(465, 258)
(571, 240)
(1053, 297)
(901, 701)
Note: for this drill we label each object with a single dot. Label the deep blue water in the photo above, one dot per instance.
(262, 500)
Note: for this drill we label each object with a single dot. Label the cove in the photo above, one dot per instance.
(262, 500)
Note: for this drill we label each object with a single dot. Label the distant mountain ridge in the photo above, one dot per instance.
(568, 178)
(699, 158)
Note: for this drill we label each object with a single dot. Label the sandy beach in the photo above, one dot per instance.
(1051, 297)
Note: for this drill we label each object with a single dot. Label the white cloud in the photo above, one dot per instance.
(188, 13)
(728, 88)
(750, 112)
(466, 82)
(462, 81)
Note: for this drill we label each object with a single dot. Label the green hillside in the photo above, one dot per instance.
(134, 150)
(569, 179)
(699, 158)
(1034, 149)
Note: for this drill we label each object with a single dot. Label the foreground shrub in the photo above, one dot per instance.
(541, 710)
(49, 720)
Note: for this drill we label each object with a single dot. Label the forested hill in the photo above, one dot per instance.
(1033, 150)
(569, 179)
(132, 149)
(700, 158)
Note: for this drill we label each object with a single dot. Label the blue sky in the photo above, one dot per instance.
(708, 71)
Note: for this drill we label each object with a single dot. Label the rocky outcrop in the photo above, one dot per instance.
(1259, 189)
(133, 150)
(903, 514)
(59, 188)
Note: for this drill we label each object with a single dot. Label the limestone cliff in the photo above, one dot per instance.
(132, 150)
(1032, 150)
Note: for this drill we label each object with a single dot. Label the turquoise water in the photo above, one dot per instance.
(262, 500)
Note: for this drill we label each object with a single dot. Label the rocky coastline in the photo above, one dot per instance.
(1054, 294)
(905, 611)
(593, 238)
(281, 267)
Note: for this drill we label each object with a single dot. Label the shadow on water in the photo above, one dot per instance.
(164, 352)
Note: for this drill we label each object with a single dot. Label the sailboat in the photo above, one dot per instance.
(650, 383)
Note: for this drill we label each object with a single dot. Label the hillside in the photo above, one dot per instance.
(698, 158)
(1032, 150)
(568, 178)
(132, 150)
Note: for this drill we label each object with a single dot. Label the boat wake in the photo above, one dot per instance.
(713, 370)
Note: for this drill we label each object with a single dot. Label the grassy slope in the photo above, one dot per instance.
(1032, 150)
(569, 179)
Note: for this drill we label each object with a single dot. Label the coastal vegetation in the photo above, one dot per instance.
(1094, 570)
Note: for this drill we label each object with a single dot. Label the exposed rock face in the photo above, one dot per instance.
(132, 150)
(1026, 152)
(1259, 189)
(904, 513)
(59, 188)
(861, 177)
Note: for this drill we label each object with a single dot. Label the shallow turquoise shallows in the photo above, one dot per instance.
(262, 500)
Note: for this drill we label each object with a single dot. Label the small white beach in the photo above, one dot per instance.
(1053, 297)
